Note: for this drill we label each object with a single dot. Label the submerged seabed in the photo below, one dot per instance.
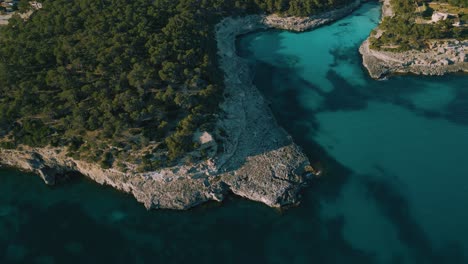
(395, 191)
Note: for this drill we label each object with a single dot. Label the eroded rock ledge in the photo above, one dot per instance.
(300, 24)
(441, 57)
(259, 160)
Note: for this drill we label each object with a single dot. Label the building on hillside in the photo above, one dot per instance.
(438, 16)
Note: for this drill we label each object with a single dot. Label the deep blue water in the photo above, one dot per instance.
(395, 188)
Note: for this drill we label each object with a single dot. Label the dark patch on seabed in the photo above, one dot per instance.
(43, 233)
(344, 96)
(341, 55)
(457, 110)
(397, 209)
(394, 91)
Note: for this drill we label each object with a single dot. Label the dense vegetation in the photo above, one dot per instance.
(117, 80)
(404, 32)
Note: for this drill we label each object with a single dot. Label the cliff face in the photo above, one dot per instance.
(259, 160)
(153, 191)
(441, 57)
(273, 178)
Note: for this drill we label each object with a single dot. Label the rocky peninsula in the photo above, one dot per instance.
(440, 57)
(254, 158)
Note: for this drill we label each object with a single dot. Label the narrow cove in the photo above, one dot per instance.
(395, 187)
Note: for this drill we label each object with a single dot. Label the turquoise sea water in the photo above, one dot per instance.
(395, 188)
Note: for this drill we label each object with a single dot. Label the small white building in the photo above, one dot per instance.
(438, 16)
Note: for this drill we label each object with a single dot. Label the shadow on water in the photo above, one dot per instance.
(393, 204)
(457, 110)
(65, 236)
(344, 96)
(397, 89)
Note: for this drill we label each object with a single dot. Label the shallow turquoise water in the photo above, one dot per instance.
(395, 191)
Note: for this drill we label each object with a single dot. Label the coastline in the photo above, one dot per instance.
(259, 160)
(442, 57)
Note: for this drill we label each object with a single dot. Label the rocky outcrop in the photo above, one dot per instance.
(441, 57)
(300, 24)
(273, 177)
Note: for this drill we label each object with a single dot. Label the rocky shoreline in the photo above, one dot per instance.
(259, 160)
(443, 56)
(300, 24)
